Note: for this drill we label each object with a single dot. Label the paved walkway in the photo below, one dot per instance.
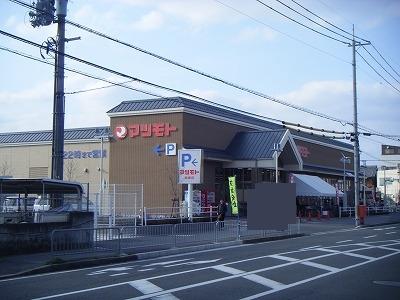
(21, 265)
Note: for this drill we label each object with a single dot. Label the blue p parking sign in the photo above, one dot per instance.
(190, 166)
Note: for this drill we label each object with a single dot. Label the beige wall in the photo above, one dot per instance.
(29, 161)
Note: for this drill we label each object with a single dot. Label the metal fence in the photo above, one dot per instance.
(178, 213)
(118, 204)
(371, 210)
(135, 239)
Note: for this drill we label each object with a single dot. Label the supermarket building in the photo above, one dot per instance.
(138, 148)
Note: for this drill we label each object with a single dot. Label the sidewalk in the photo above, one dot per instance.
(28, 264)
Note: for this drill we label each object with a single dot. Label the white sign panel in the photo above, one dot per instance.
(170, 149)
(190, 166)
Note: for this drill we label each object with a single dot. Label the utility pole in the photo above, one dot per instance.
(356, 141)
(57, 157)
(277, 150)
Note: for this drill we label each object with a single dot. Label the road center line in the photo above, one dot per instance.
(370, 236)
(392, 232)
(345, 241)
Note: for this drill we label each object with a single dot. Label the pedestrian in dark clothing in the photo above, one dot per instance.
(221, 212)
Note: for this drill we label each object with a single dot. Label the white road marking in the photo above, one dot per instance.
(163, 263)
(283, 257)
(370, 236)
(358, 255)
(118, 274)
(310, 248)
(146, 287)
(117, 269)
(331, 253)
(228, 270)
(389, 283)
(345, 241)
(144, 270)
(264, 281)
(386, 228)
(320, 266)
(197, 262)
(392, 232)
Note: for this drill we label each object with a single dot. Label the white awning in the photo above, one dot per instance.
(307, 185)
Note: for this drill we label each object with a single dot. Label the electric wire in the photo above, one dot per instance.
(234, 85)
(333, 25)
(97, 88)
(311, 20)
(138, 80)
(343, 122)
(80, 72)
(373, 57)
(281, 32)
(301, 24)
(363, 58)
(385, 60)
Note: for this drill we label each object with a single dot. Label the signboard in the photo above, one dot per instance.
(144, 130)
(170, 149)
(232, 194)
(190, 166)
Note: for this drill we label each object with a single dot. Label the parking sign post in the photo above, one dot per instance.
(190, 171)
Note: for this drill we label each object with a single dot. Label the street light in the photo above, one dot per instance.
(277, 149)
(344, 159)
(102, 134)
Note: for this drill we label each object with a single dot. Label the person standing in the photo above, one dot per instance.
(221, 212)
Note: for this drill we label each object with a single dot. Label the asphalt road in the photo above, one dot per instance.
(349, 264)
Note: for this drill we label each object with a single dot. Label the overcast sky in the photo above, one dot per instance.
(242, 42)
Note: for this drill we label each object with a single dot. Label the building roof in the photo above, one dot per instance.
(254, 144)
(180, 102)
(220, 111)
(47, 136)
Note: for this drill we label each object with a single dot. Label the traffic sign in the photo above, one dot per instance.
(190, 166)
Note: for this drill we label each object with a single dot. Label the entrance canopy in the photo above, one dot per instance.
(307, 185)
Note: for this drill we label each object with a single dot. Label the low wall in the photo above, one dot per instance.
(35, 237)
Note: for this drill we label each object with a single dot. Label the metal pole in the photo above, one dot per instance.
(365, 200)
(190, 201)
(344, 181)
(356, 143)
(57, 170)
(101, 165)
(384, 185)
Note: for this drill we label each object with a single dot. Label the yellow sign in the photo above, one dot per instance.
(232, 194)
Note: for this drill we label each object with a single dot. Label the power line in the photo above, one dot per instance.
(385, 60)
(79, 72)
(311, 20)
(128, 76)
(377, 72)
(281, 32)
(98, 88)
(301, 24)
(373, 57)
(322, 19)
(248, 90)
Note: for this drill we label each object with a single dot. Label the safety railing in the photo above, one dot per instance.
(371, 210)
(135, 239)
(178, 213)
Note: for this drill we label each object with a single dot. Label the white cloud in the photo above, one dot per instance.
(151, 21)
(256, 33)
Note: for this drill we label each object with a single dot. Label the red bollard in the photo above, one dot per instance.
(319, 215)
(309, 216)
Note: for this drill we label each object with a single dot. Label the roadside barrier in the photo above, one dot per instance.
(135, 239)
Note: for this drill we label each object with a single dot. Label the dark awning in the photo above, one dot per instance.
(38, 186)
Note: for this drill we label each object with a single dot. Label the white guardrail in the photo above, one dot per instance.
(371, 210)
(134, 239)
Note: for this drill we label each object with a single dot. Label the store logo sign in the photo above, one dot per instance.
(144, 130)
(121, 131)
(304, 152)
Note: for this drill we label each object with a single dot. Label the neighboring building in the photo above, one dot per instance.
(234, 143)
(28, 154)
(389, 175)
